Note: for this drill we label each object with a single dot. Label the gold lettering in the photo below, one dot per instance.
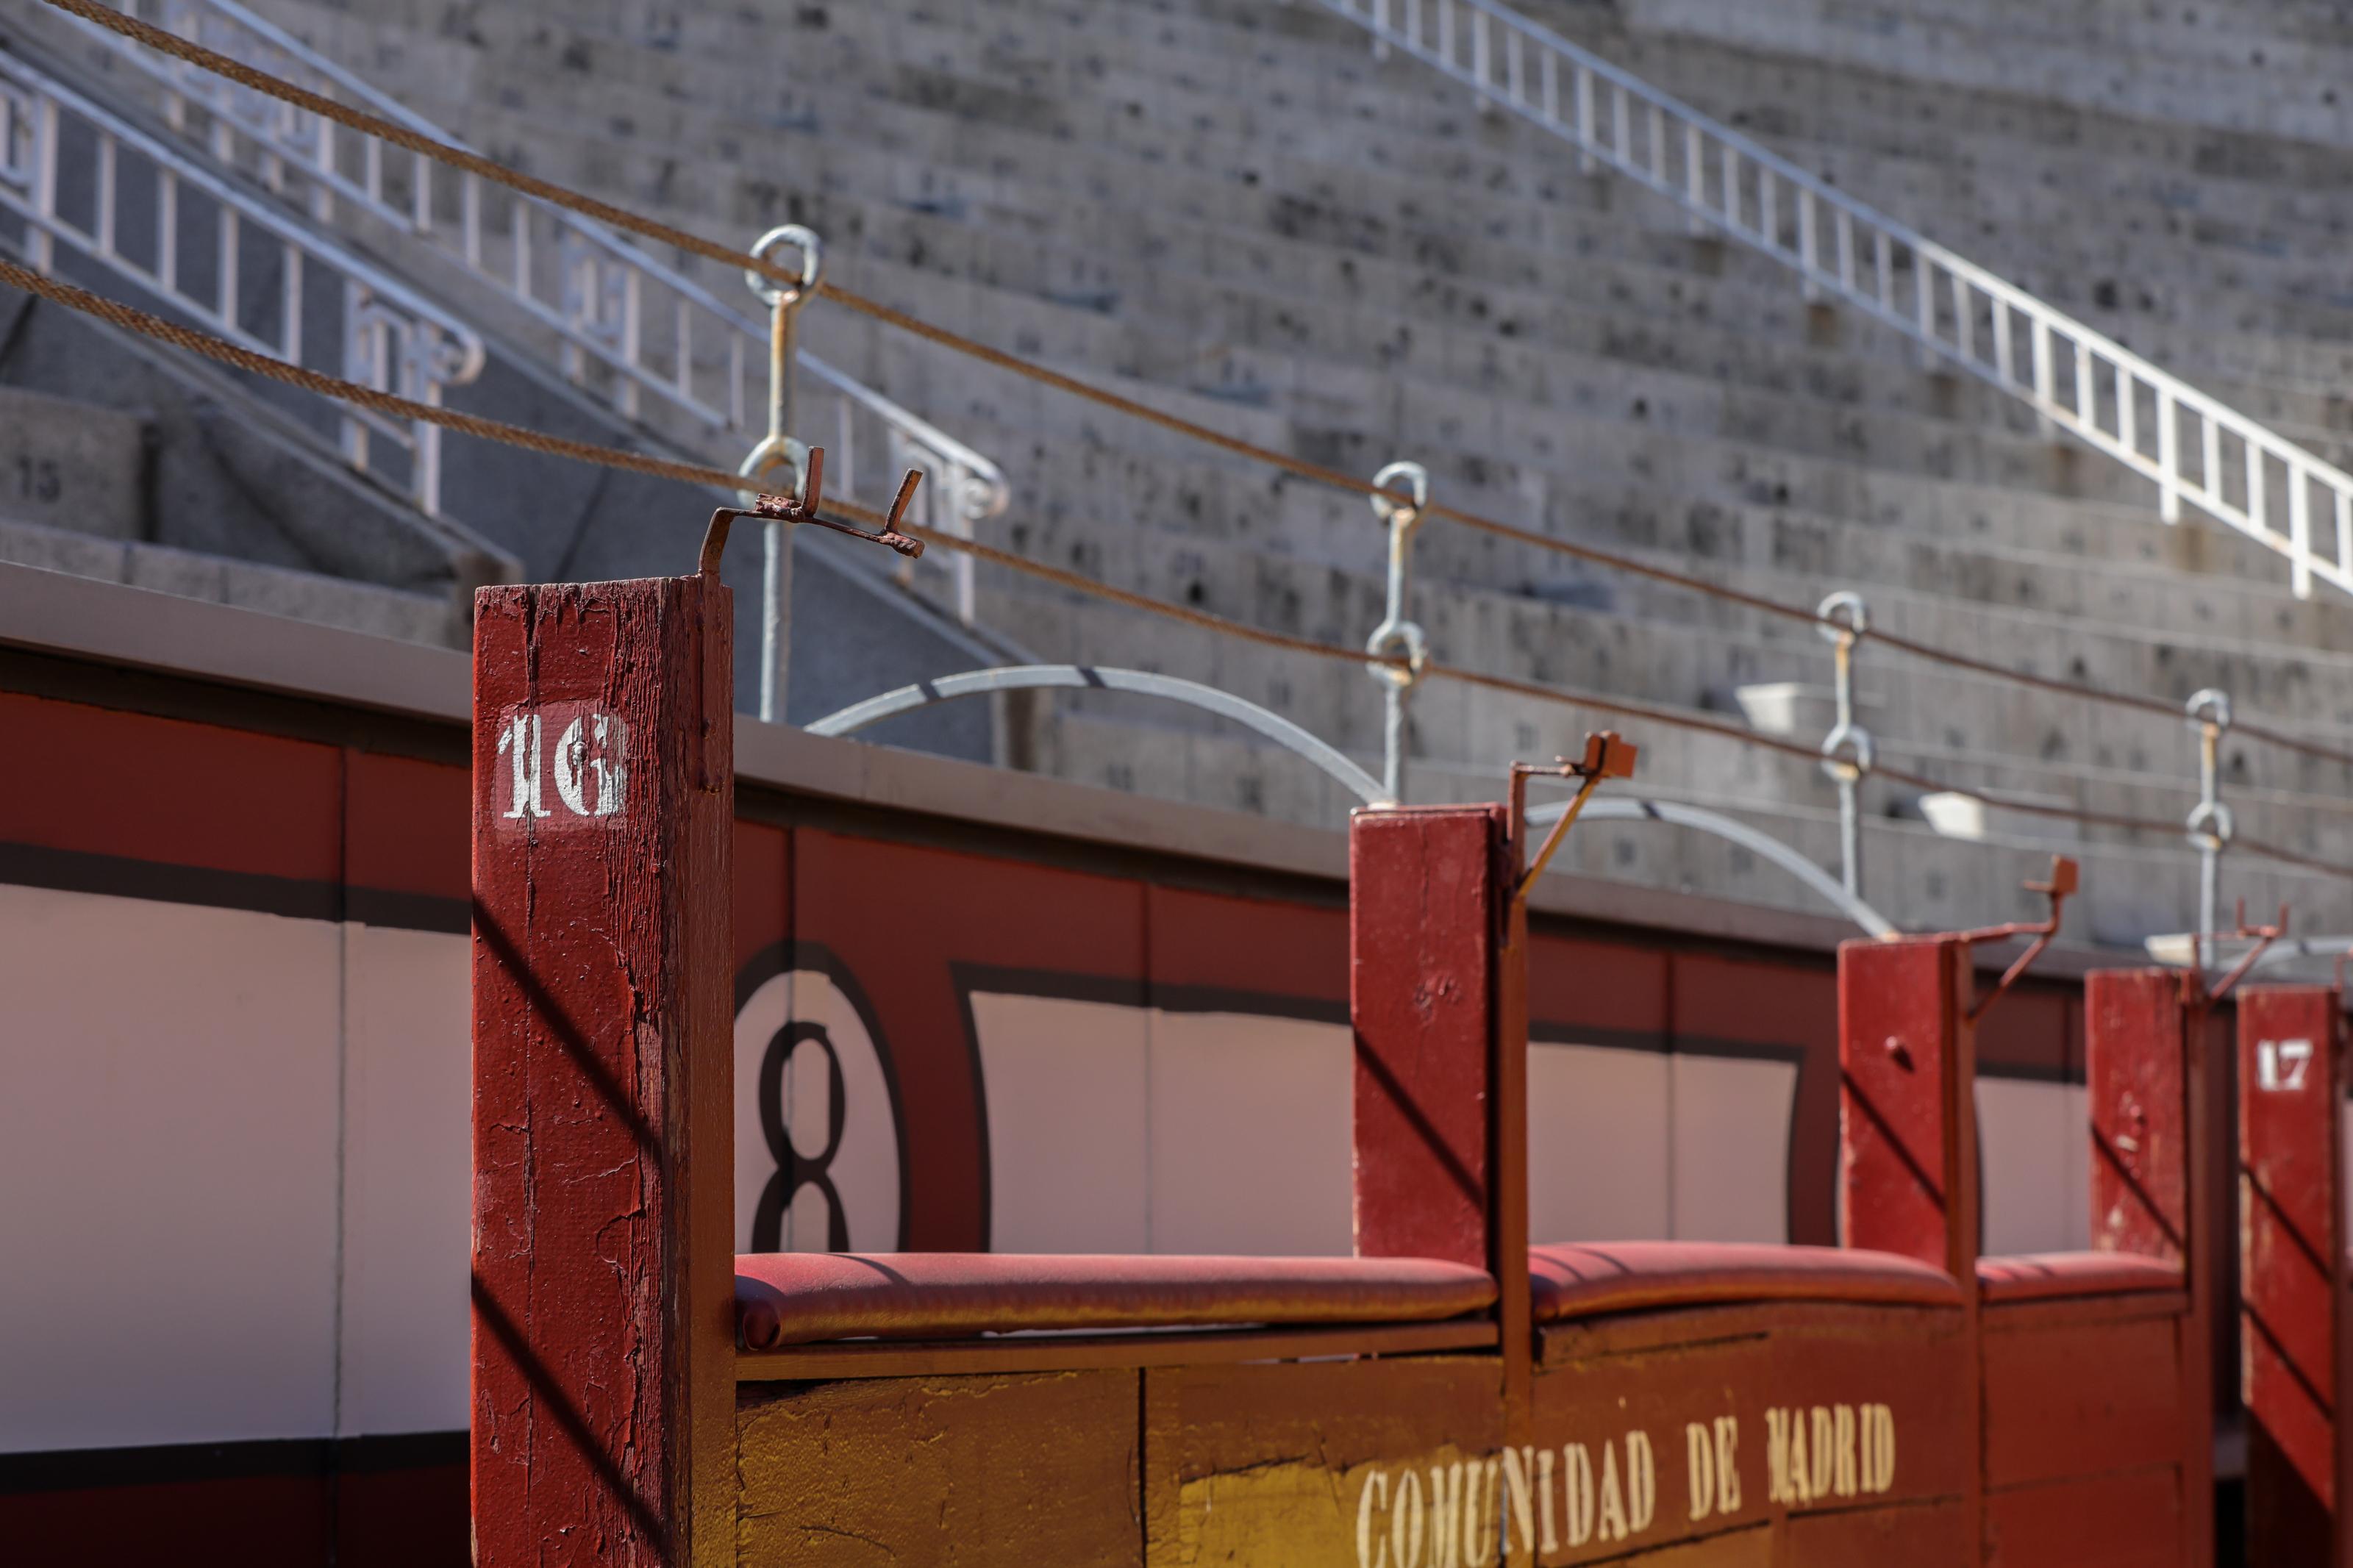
(1727, 1464)
(1546, 1539)
(1446, 1515)
(1776, 1455)
(1843, 1435)
(1405, 1522)
(1800, 1485)
(1519, 1502)
(1577, 1484)
(1369, 1554)
(1613, 1500)
(1701, 1447)
(1641, 1482)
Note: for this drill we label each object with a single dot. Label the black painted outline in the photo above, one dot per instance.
(783, 957)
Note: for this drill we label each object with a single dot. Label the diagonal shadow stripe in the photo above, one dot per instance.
(2115, 1163)
(567, 1034)
(1862, 1101)
(1469, 1184)
(553, 1402)
(2254, 1320)
(2288, 1228)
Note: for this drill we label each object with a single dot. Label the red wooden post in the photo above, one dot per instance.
(2146, 1072)
(1908, 1181)
(602, 1261)
(1441, 1049)
(2293, 1280)
(1908, 1134)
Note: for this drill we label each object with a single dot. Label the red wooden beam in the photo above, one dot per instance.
(2146, 1038)
(1438, 989)
(2293, 1321)
(1908, 1181)
(602, 1262)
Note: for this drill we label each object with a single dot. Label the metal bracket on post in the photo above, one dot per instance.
(1607, 756)
(2064, 879)
(1397, 636)
(777, 449)
(1844, 621)
(2210, 826)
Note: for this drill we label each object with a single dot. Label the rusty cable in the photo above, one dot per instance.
(195, 340)
(563, 196)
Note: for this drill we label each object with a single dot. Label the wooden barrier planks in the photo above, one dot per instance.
(603, 1264)
(2293, 1276)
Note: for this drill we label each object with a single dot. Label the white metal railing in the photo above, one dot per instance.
(82, 181)
(2077, 379)
(643, 332)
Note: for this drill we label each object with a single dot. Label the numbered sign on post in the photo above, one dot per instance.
(566, 765)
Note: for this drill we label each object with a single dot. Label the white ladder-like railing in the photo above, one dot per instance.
(81, 180)
(654, 337)
(2077, 379)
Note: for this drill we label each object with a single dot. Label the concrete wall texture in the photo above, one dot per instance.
(1228, 208)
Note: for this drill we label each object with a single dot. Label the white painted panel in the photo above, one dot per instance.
(167, 1140)
(1731, 1175)
(2035, 1137)
(1068, 1156)
(1251, 1134)
(1596, 1143)
(407, 1188)
(864, 1166)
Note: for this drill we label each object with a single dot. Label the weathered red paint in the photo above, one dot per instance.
(2293, 1272)
(1438, 988)
(1909, 1177)
(1425, 921)
(603, 1387)
(2137, 1071)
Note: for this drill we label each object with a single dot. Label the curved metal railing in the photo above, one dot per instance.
(1305, 744)
(644, 332)
(82, 180)
(2078, 380)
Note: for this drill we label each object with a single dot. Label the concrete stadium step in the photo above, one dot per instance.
(68, 464)
(2128, 890)
(1943, 712)
(2249, 83)
(552, 79)
(366, 608)
(1272, 187)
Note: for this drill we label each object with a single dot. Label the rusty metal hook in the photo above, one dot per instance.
(2065, 879)
(804, 508)
(2262, 936)
(1607, 756)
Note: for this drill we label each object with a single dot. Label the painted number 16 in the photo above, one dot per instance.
(590, 763)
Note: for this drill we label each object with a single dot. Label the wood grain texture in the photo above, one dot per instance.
(1759, 1417)
(2291, 1273)
(2135, 1519)
(2136, 1068)
(1425, 911)
(1282, 1466)
(2086, 1399)
(602, 1263)
(1908, 1130)
(977, 1471)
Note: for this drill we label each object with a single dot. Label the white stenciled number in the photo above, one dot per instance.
(518, 743)
(609, 768)
(2282, 1064)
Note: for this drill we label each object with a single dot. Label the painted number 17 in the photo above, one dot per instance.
(2282, 1064)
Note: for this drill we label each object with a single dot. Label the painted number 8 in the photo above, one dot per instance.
(796, 1170)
